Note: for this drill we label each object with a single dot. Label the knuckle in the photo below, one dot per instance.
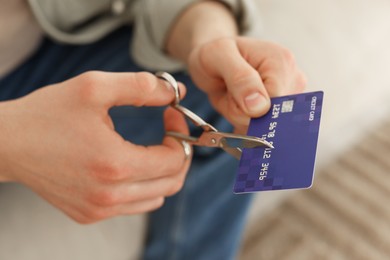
(95, 214)
(88, 86)
(274, 87)
(282, 53)
(212, 47)
(106, 170)
(146, 83)
(242, 76)
(103, 198)
(288, 56)
(77, 216)
(242, 82)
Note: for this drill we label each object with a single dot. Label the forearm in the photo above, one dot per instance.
(200, 23)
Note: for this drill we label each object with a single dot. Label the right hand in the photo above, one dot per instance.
(240, 74)
(61, 142)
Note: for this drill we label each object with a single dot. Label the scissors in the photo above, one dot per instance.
(210, 137)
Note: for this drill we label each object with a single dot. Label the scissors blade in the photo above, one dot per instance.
(233, 143)
(233, 151)
(180, 136)
(222, 139)
(230, 143)
(208, 140)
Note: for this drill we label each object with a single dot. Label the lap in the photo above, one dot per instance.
(32, 229)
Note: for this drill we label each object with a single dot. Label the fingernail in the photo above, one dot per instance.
(256, 103)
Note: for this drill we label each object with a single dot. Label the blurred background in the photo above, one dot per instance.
(343, 46)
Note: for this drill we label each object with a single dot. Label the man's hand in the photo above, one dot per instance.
(60, 141)
(240, 75)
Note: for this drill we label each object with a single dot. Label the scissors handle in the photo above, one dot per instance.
(173, 83)
(176, 103)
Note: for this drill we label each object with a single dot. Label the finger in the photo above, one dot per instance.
(127, 192)
(242, 80)
(116, 89)
(293, 81)
(139, 207)
(96, 213)
(276, 65)
(165, 187)
(175, 122)
(149, 189)
(226, 106)
(300, 82)
(240, 130)
(157, 161)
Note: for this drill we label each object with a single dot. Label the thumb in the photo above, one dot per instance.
(116, 89)
(242, 80)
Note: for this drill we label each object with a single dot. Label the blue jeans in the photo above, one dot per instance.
(205, 219)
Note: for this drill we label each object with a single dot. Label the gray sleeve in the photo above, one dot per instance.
(79, 22)
(153, 20)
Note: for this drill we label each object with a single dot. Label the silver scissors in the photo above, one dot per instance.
(211, 137)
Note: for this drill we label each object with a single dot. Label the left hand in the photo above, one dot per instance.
(60, 141)
(240, 75)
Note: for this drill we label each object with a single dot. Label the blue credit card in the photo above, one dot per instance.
(292, 126)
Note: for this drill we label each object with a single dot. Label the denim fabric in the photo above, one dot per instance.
(205, 219)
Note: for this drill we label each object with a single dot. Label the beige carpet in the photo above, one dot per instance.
(345, 215)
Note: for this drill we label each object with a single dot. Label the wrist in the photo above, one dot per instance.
(213, 20)
(202, 22)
